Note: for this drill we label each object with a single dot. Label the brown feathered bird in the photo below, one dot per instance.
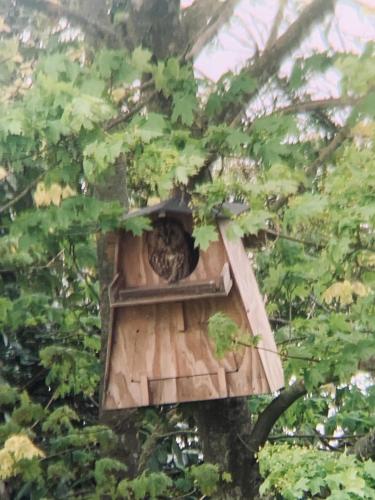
(169, 251)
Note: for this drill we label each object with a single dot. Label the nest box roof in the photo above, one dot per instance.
(179, 206)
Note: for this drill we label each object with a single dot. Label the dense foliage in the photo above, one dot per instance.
(71, 113)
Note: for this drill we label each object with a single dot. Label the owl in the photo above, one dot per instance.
(169, 250)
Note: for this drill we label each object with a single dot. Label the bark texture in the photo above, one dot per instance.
(224, 428)
(155, 25)
(365, 447)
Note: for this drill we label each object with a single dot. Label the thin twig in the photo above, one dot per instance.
(289, 341)
(124, 117)
(132, 90)
(328, 150)
(45, 408)
(23, 193)
(50, 262)
(177, 433)
(318, 246)
(285, 356)
(314, 436)
(187, 495)
(302, 107)
(323, 440)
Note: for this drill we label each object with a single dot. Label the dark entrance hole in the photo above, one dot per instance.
(171, 251)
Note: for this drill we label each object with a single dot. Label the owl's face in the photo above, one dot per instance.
(169, 233)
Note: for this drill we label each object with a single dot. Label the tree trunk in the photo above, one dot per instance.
(129, 447)
(224, 428)
(223, 425)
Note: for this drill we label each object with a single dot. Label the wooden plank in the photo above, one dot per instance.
(223, 388)
(226, 279)
(112, 250)
(181, 325)
(144, 390)
(165, 299)
(164, 391)
(198, 388)
(252, 300)
(195, 350)
(108, 351)
(174, 289)
(172, 292)
(137, 272)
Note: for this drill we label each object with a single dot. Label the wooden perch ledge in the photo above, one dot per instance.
(120, 297)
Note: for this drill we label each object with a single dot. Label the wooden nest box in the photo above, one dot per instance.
(161, 299)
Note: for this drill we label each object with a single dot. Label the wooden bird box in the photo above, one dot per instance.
(158, 349)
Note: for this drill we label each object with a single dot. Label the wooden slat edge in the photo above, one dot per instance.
(226, 280)
(253, 302)
(222, 381)
(111, 320)
(145, 394)
(161, 300)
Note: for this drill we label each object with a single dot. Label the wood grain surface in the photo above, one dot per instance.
(160, 353)
(253, 302)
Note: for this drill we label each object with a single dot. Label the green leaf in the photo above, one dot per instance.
(137, 225)
(204, 235)
(224, 331)
(235, 231)
(255, 220)
(152, 127)
(107, 467)
(206, 476)
(183, 108)
(237, 138)
(141, 59)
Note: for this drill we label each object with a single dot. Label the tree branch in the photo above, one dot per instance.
(320, 116)
(276, 24)
(57, 10)
(271, 414)
(20, 195)
(327, 151)
(315, 105)
(269, 62)
(211, 17)
(124, 117)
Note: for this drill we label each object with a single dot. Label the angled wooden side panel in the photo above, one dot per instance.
(252, 300)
